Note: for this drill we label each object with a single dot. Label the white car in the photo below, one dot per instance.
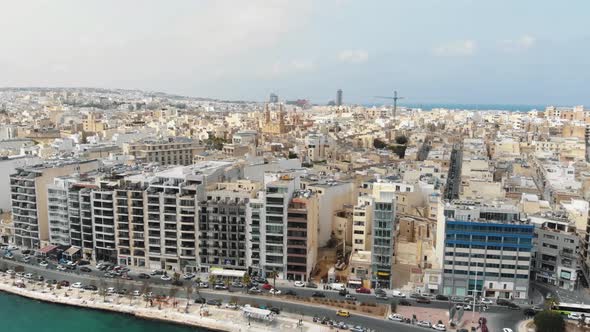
(188, 276)
(398, 294)
(395, 317)
(232, 306)
(61, 268)
(43, 264)
(439, 327)
(136, 293)
(424, 323)
(77, 285)
(299, 284)
(110, 290)
(506, 330)
(486, 301)
(275, 291)
(28, 276)
(165, 277)
(574, 316)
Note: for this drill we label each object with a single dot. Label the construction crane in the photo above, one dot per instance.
(395, 98)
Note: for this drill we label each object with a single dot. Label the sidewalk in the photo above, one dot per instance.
(218, 319)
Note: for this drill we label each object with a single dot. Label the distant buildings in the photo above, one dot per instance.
(339, 97)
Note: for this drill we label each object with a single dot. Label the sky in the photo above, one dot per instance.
(431, 51)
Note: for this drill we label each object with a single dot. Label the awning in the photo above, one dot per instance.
(227, 273)
(47, 249)
(383, 274)
(355, 282)
(73, 250)
(432, 286)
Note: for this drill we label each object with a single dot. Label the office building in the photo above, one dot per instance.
(491, 258)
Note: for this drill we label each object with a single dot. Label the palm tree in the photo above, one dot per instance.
(189, 291)
(246, 279)
(273, 275)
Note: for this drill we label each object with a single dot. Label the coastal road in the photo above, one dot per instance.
(305, 309)
(499, 315)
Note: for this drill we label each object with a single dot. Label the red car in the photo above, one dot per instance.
(363, 290)
(267, 287)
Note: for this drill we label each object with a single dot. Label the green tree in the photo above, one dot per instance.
(379, 144)
(211, 280)
(246, 279)
(549, 321)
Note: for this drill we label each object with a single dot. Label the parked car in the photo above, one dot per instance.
(424, 323)
(350, 297)
(439, 327)
(442, 297)
(275, 310)
(200, 300)
(214, 302)
(188, 276)
(290, 292)
(157, 272)
(232, 306)
(502, 302)
(77, 285)
(165, 277)
(529, 312)
(61, 268)
(486, 301)
(64, 283)
(311, 285)
(343, 292)
(267, 287)
(398, 294)
(574, 316)
(404, 302)
(299, 283)
(318, 294)
(254, 290)
(275, 291)
(343, 313)
(143, 276)
(363, 290)
(395, 317)
(203, 285)
(28, 276)
(136, 293)
(423, 299)
(513, 306)
(43, 263)
(90, 288)
(85, 269)
(415, 295)
(456, 299)
(237, 284)
(381, 296)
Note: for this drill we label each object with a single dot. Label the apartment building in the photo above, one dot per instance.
(222, 225)
(383, 235)
(171, 151)
(361, 224)
(302, 234)
(489, 257)
(556, 246)
(28, 188)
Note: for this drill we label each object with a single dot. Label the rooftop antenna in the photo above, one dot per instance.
(395, 98)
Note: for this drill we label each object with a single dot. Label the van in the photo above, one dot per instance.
(337, 286)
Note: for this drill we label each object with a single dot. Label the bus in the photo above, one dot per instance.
(568, 308)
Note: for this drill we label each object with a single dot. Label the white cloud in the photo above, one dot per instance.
(353, 56)
(456, 48)
(523, 43)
